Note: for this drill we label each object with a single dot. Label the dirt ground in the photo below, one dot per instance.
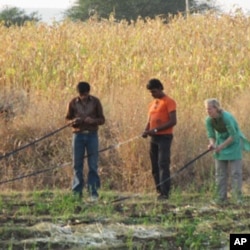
(129, 222)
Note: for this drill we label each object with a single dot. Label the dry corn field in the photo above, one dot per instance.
(196, 58)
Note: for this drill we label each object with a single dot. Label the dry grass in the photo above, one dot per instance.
(196, 58)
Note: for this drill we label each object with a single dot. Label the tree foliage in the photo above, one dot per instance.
(16, 16)
(129, 9)
(204, 5)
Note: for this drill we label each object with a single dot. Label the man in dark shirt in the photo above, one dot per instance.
(85, 113)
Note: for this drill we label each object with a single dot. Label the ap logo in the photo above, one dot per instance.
(239, 241)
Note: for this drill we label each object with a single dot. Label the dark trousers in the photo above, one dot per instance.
(160, 160)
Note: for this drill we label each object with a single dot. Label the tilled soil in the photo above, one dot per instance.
(138, 223)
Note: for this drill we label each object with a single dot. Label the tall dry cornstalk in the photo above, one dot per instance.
(196, 58)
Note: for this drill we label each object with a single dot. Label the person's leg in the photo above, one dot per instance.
(236, 175)
(78, 156)
(153, 152)
(93, 177)
(164, 163)
(221, 176)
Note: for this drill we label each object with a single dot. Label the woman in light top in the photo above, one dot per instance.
(227, 142)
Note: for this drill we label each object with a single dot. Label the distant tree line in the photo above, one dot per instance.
(129, 10)
(16, 16)
(132, 9)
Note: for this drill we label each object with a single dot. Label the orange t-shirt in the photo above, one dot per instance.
(159, 110)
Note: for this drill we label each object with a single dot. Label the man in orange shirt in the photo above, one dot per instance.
(161, 120)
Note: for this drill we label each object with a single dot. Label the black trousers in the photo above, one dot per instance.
(160, 160)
